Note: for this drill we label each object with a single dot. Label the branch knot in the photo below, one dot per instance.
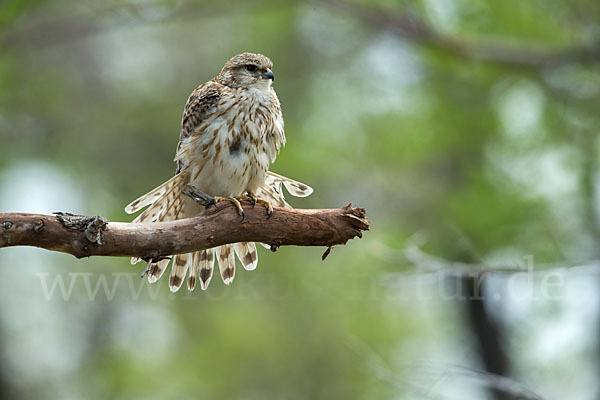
(91, 226)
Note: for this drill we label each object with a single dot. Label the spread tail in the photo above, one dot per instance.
(167, 203)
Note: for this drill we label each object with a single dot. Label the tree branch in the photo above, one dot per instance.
(416, 30)
(93, 236)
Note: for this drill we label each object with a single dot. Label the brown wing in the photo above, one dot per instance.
(201, 100)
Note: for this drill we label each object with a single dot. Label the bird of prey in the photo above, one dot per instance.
(231, 132)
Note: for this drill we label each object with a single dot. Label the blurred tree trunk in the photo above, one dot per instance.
(586, 142)
(488, 332)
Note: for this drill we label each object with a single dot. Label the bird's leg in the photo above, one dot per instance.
(235, 202)
(199, 197)
(255, 200)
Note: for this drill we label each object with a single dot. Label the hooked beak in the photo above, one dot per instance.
(268, 74)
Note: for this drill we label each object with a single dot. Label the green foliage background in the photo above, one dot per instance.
(475, 161)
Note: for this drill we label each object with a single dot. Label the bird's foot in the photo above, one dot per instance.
(235, 202)
(206, 200)
(255, 200)
(250, 196)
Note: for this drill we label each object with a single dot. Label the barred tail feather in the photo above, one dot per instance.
(176, 209)
(207, 262)
(155, 194)
(181, 263)
(274, 197)
(226, 260)
(247, 254)
(271, 190)
(165, 208)
(194, 270)
(296, 189)
(157, 269)
(165, 204)
(156, 210)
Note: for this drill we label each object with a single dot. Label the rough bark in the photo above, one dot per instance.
(93, 236)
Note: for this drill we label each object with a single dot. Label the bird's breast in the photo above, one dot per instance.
(234, 150)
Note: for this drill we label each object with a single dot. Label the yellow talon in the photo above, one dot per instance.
(235, 202)
(250, 196)
(267, 205)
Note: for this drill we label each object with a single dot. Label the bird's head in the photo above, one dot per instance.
(247, 70)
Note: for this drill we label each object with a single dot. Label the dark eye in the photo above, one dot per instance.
(251, 68)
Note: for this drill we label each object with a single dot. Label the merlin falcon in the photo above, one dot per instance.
(231, 132)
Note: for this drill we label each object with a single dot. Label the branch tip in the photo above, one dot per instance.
(324, 256)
